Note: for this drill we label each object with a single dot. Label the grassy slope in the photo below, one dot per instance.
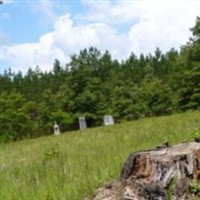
(74, 164)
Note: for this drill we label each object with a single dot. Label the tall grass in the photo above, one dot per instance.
(72, 165)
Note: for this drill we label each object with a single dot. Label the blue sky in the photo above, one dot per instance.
(27, 20)
(35, 32)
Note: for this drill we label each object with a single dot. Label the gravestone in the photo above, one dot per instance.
(82, 123)
(56, 129)
(108, 120)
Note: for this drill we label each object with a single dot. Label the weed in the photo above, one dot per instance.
(52, 152)
(194, 188)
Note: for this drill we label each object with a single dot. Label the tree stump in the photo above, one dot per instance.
(159, 174)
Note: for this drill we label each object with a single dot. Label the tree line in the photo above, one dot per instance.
(94, 84)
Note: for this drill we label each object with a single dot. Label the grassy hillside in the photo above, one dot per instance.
(72, 165)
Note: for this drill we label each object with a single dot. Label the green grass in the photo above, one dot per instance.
(73, 165)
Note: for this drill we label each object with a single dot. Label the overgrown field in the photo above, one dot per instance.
(72, 165)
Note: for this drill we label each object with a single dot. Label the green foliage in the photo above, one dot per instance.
(93, 84)
(170, 188)
(189, 92)
(52, 152)
(15, 122)
(194, 188)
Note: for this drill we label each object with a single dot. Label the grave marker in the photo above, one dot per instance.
(82, 123)
(56, 129)
(108, 120)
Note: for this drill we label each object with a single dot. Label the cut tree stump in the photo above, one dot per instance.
(164, 173)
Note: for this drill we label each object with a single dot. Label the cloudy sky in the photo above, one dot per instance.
(35, 32)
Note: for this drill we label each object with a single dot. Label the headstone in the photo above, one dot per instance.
(56, 129)
(82, 123)
(108, 120)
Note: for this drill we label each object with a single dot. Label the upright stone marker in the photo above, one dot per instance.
(56, 129)
(108, 120)
(82, 123)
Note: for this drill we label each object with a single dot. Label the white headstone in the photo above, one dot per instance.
(82, 123)
(56, 129)
(108, 120)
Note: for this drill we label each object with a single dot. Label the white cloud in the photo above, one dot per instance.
(45, 10)
(163, 24)
(66, 39)
(120, 27)
(71, 38)
(150, 24)
(111, 13)
(27, 55)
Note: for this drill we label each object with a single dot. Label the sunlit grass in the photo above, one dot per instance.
(72, 165)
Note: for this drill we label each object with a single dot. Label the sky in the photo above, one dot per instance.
(36, 32)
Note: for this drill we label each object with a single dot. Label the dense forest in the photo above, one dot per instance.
(94, 84)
